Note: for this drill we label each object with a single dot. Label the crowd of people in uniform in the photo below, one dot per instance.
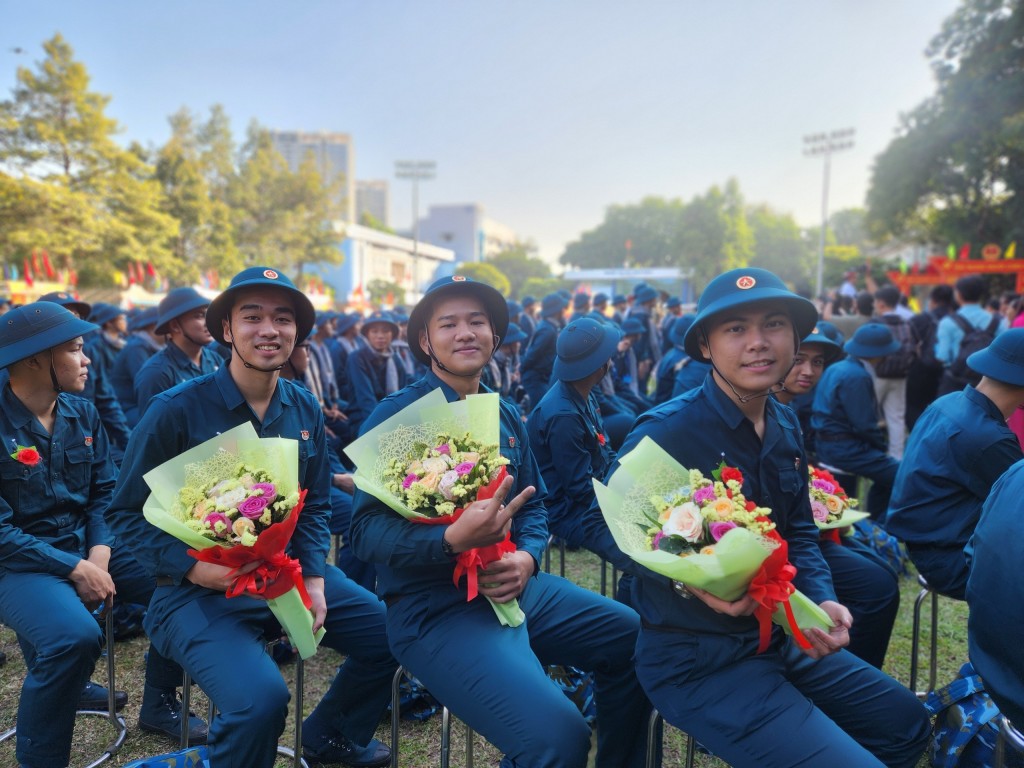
(758, 376)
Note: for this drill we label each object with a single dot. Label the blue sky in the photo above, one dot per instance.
(543, 112)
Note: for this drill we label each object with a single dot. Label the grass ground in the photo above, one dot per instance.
(421, 742)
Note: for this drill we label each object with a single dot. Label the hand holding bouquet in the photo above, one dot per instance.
(705, 533)
(235, 500)
(432, 459)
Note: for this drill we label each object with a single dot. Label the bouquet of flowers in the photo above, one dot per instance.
(431, 459)
(703, 532)
(235, 499)
(830, 505)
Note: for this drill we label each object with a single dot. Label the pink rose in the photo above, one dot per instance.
(465, 467)
(820, 511)
(704, 495)
(685, 521)
(719, 529)
(823, 485)
(269, 490)
(445, 449)
(216, 518)
(253, 506)
(657, 538)
(410, 479)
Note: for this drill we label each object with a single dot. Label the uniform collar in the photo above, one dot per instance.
(21, 417)
(726, 409)
(179, 358)
(233, 396)
(434, 381)
(983, 402)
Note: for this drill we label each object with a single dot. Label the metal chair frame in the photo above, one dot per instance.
(111, 715)
(446, 727)
(655, 742)
(294, 753)
(1008, 735)
(915, 642)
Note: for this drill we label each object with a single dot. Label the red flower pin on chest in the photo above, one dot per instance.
(27, 455)
(601, 439)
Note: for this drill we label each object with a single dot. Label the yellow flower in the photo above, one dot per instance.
(708, 550)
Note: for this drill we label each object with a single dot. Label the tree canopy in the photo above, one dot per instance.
(189, 207)
(955, 171)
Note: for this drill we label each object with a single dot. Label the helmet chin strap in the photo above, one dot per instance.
(443, 367)
(744, 399)
(53, 375)
(245, 362)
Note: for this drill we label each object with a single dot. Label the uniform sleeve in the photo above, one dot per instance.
(111, 413)
(152, 380)
(539, 351)
(856, 397)
(23, 552)
(159, 436)
(530, 524)
(311, 540)
(995, 459)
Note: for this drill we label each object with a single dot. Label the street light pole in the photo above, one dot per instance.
(825, 144)
(416, 171)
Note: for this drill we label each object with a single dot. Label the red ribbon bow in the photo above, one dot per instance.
(770, 586)
(278, 572)
(469, 563)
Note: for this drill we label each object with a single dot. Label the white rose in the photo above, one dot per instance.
(685, 521)
(435, 464)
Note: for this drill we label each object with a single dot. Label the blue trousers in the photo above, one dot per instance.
(492, 677)
(362, 573)
(780, 709)
(870, 590)
(220, 641)
(62, 651)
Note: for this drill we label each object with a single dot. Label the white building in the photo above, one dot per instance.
(374, 255)
(334, 154)
(467, 231)
(373, 197)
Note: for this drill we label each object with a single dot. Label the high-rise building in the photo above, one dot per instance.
(373, 197)
(334, 154)
(467, 230)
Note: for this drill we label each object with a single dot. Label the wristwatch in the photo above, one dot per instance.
(446, 547)
(680, 589)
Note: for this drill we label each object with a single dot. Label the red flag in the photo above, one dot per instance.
(390, 299)
(50, 274)
(28, 273)
(35, 263)
(150, 269)
(965, 252)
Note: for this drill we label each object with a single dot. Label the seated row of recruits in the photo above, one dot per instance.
(694, 653)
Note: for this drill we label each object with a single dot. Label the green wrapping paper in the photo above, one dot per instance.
(648, 471)
(280, 457)
(423, 421)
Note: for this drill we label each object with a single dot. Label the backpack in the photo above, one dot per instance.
(897, 365)
(966, 724)
(926, 326)
(959, 374)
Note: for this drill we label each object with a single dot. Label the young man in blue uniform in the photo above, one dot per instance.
(697, 655)
(142, 344)
(492, 676)
(56, 478)
(958, 449)
(567, 434)
(845, 416)
(220, 640)
(863, 581)
(996, 581)
(373, 372)
(540, 354)
(182, 318)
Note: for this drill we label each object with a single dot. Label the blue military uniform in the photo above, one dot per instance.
(198, 626)
(137, 350)
(571, 447)
(846, 432)
(539, 357)
(367, 377)
(491, 676)
(958, 449)
(995, 554)
(780, 708)
(102, 356)
(168, 368)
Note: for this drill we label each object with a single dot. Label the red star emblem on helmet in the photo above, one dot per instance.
(271, 274)
(746, 282)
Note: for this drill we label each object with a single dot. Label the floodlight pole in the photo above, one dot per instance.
(825, 144)
(416, 171)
